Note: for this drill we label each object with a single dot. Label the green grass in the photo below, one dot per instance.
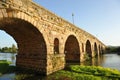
(73, 72)
(5, 68)
(97, 71)
(5, 61)
(76, 72)
(68, 75)
(24, 77)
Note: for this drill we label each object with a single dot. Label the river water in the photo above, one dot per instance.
(9, 57)
(111, 60)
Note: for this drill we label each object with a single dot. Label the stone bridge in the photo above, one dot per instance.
(46, 42)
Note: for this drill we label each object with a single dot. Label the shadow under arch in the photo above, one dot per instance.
(56, 46)
(102, 50)
(72, 50)
(88, 48)
(95, 49)
(99, 50)
(30, 42)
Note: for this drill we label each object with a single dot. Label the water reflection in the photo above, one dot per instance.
(106, 60)
(97, 61)
(9, 57)
(8, 77)
(111, 60)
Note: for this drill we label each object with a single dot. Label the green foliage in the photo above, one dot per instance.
(4, 67)
(23, 77)
(96, 71)
(12, 49)
(113, 49)
(0, 50)
(76, 72)
(86, 56)
(68, 75)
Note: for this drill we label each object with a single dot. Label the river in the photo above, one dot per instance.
(111, 60)
(9, 57)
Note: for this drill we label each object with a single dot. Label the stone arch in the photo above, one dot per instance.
(30, 41)
(88, 48)
(56, 46)
(72, 49)
(95, 49)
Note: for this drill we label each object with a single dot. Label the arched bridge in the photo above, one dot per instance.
(45, 41)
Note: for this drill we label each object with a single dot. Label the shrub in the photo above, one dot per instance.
(4, 67)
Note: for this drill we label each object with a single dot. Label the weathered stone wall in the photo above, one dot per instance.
(34, 28)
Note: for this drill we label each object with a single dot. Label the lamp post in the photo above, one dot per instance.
(73, 18)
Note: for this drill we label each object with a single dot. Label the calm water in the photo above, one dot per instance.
(111, 61)
(106, 60)
(9, 57)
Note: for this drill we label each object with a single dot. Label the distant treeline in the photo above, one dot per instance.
(110, 49)
(12, 49)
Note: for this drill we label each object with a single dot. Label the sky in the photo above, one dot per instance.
(101, 18)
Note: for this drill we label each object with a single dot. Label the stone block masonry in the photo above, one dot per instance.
(46, 42)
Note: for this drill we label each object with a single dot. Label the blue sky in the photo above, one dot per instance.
(101, 18)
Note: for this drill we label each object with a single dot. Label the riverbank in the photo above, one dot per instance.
(76, 72)
(5, 68)
(106, 60)
(73, 72)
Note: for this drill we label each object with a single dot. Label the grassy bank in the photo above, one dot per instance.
(73, 72)
(77, 72)
(5, 68)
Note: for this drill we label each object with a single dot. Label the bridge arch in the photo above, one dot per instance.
(31, 43)
(72, 49)
(56, 46)
(88, 48)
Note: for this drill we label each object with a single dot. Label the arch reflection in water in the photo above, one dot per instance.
(97, 61)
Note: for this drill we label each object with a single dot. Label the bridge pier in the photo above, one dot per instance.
(32, 62)
(55, 63)
(82, 57)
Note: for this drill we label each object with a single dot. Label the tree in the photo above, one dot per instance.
(5, 49)
(0, 49)
(14, 48)
(111, 49)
